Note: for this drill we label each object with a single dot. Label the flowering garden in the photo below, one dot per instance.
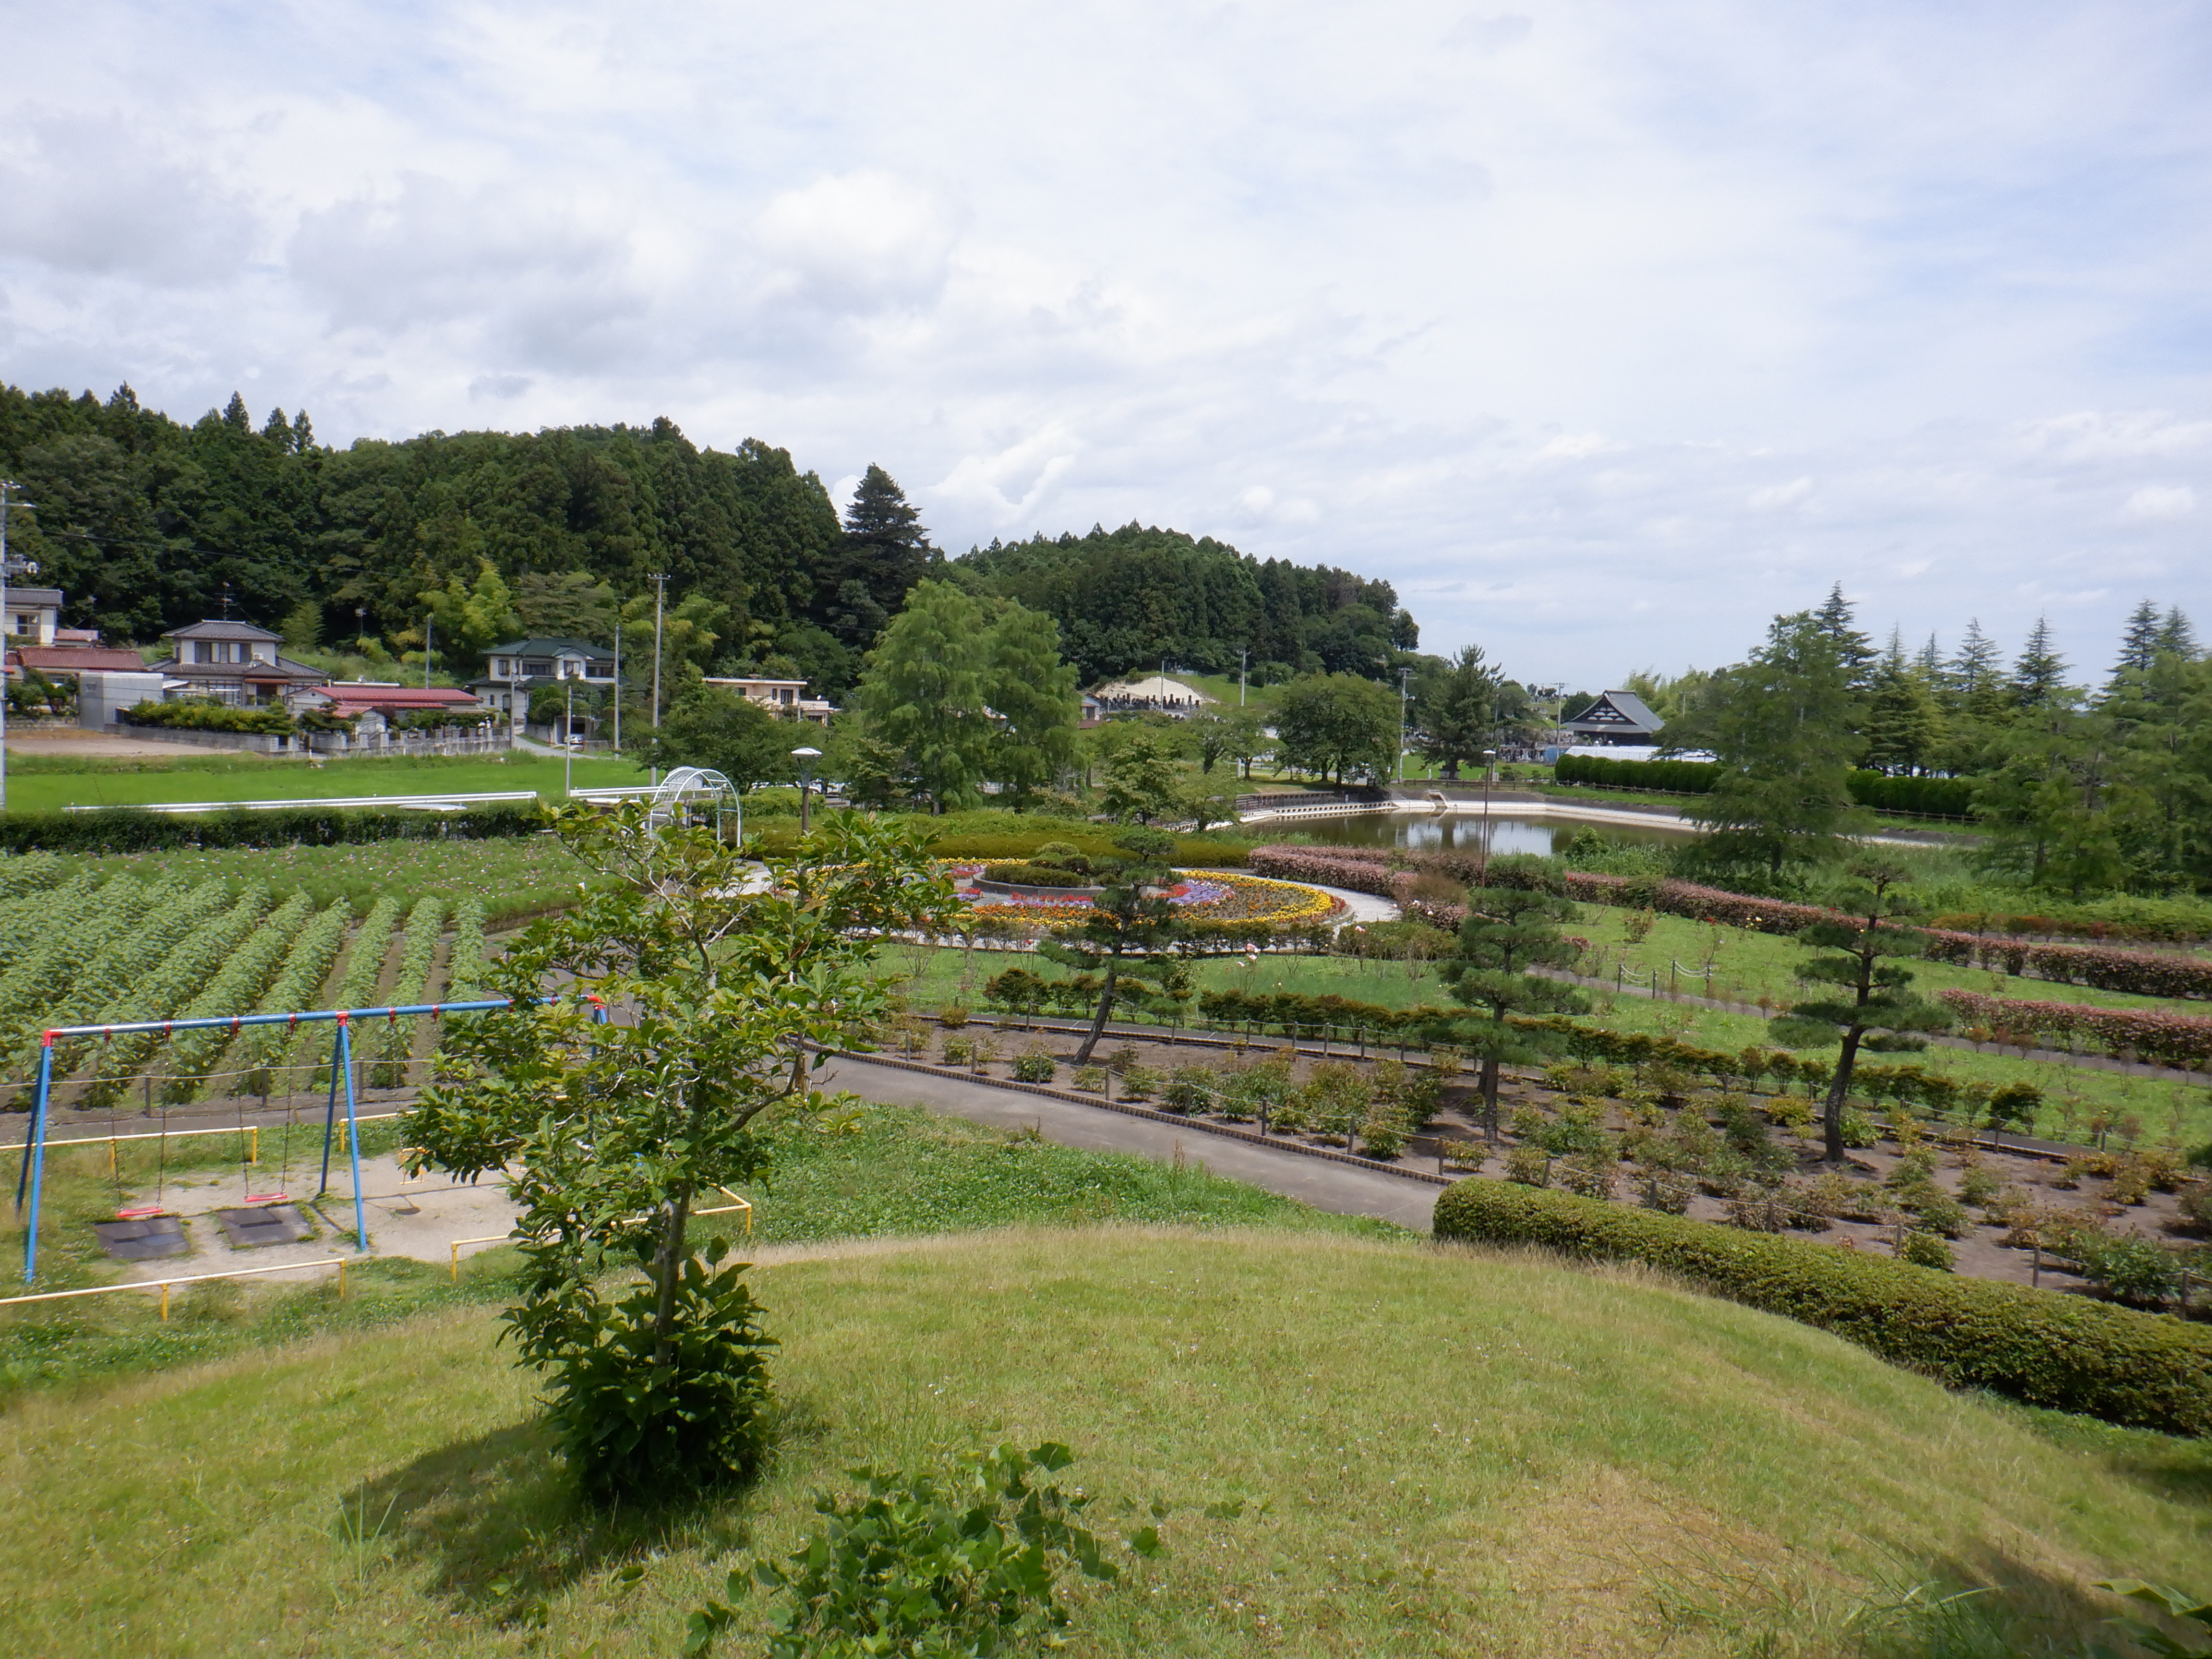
(1219, 902)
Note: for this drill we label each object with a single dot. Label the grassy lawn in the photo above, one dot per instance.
(37, 789)
(1439, 1452)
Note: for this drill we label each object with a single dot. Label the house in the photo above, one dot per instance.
(786, 697)
(232, 662)
(375, 706)
(1616, 720)
(59, 658)
(32, 614)
(1154, 692)
(514, 670)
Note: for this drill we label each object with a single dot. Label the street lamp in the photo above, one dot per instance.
(569, 741)
(1488, 756)
(805, 756)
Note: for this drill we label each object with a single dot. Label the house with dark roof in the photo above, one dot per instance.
(32, 615)
(1620, 719)
(514, 670)
(232, 662)
(351, 700)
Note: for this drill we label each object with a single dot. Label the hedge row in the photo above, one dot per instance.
(134, 829)
(2144, 1371)
(2184, 1040)
(1386, 873)
(1949, 797)
(203, 714)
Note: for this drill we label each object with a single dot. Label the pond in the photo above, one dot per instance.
(1509, 832)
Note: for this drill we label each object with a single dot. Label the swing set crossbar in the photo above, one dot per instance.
(32, 1179)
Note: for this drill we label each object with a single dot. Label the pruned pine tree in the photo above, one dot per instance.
(1131, 924)
(720, 999)
(1869, 1003)
(1509, 932)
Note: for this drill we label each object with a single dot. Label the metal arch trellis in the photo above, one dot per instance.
(30, 1181)
(693, 789)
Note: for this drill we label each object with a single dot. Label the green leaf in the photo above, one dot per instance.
(1146, 1542)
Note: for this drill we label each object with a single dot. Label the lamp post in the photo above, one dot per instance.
(569, 740)
(10, 566)
(1488, 756)
(1404, 675)
(805, 756)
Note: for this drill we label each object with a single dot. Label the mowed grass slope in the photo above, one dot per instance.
(38, 790)
(1444, 1453)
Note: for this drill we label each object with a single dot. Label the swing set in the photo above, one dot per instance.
(30, 1179)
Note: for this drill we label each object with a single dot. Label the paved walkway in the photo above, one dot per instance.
(1341, 1188)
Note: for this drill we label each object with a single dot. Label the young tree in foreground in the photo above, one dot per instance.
(1130, 924)
(716, 998)
(1870, 1008)
(1509, 931)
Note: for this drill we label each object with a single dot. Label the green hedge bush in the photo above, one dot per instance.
(135, 829)
(205, 714)
(1949, 797)
(2145, 1370)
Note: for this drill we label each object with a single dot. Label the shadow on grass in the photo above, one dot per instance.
(501, 1526)
(2164, 1465)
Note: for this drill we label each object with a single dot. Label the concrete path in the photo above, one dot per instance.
(1341, 1188)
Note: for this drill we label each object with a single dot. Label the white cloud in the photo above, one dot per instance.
(1604, 332)
(2154, 503)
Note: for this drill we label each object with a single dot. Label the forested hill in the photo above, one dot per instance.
(1125, 598)
(142, 519)
(148, 524)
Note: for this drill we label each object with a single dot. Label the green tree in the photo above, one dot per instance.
(1904, 721)
(1782, 726)
(1869, 1005)
(1456, 709)
(1142, 781)
(567, 604)
(302, 627)
(1217, 734)
(2038, 678)
(2054, 806)
(1509, 932)
(1131, 923)
(1837, 619)
(2139, 645)
(473, 618)
(884, 552)
(1975, 677)
(719, 999)
(969, 690)
(1335, 726)
(713, 727)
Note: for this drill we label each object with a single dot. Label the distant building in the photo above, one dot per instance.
(786, 697)
(1616, 720)
(514, 670)
(232, 662)
(375, 707)
(1154, 693)
(33, 615)
(53, 659)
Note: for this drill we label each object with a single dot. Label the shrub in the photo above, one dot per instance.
(1529, 1165)
(1978, 1186)
(1036, 1067)
(952, 1018)
(1190, 1089)
(1663, 1190)
(205, 714)
(1119, 1061)
(1858, 1128)
(1038, 875)
(135, 829)
(1336, 1098)
(956, 1051)
(1382, 1133)
(1591, 1174)
(1759, 1210)
(2133, 1269)
(1926, 1250)
(1092, 1078)
(2126, 1367)
(1139, 1083)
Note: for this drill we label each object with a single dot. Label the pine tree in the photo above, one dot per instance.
(234, 415)
(1509, 932)
(1130, 923)
(1931, 662)
(2175, 636)
(2038, 678)
(1871, 1006)
(1455, 710)
(1837, 618)
(1032, 695)
(1903, 723)
(2139, 641)
(884, 552)
(1976, 671)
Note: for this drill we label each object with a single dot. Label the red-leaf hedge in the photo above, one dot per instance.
(2146, 1370)
(2184, 1040)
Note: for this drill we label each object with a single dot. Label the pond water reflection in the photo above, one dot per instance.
(1508, 833)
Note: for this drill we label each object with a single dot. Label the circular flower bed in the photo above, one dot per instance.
(1211, 898)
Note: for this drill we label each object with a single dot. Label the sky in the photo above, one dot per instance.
(1606, 331)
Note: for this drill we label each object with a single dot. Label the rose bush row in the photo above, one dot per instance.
(2184, 1040)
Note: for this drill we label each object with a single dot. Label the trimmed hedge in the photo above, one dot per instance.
(2183, 1040)
(134, 829)
(1946, 798)
(2144, 1371)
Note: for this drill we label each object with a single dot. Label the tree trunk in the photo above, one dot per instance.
(1832, 1114)
(1098, 1024)
(1490, 1097)
(667, 1263)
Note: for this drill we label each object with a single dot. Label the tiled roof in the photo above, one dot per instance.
(52, 596)
(548, 648)
(79, 659)
(214, 629)
(355, 695)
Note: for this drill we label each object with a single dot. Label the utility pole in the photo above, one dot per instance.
(618, 679)
(568, 744)
(1243, 658)
(9, 567)
(429, 638)
(659, 602)
(1403, 674)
